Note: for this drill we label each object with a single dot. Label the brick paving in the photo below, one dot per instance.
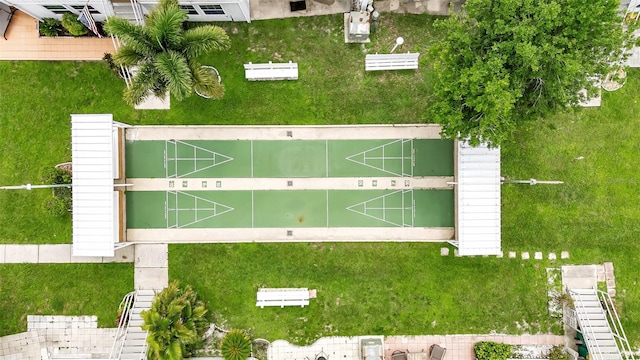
(458, 347)
(24, 43)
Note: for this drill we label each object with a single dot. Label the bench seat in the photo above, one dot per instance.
(282, 297)
(271, 71)
(378, 62)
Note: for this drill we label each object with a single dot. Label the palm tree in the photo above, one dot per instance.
(165, 54)
(176, 322)
(236, 345)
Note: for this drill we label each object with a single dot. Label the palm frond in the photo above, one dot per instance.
(205, 82)
(202, 39)
(165, 24)
(127, 56)
(132, 35)
(174, 68)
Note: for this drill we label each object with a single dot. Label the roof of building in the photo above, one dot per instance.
(92, 156)
(478, 198)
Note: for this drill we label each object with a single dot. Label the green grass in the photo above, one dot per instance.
(365, 289)
(61, 289)
(595, 214)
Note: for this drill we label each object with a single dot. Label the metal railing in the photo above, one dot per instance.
(616, 325)
(126, 305)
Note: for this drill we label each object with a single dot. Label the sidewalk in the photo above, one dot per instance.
(458, 347)
(56, 254)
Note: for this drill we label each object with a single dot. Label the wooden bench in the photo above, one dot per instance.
(282, 297)
(271, 71)
(377, 62)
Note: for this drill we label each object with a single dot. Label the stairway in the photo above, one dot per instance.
(135, 341)
(594, 324)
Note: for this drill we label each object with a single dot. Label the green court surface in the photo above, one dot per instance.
(290, 208)
(289, 158)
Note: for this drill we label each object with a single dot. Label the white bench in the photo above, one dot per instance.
(282, 297)
(376, 62)
(271, 71)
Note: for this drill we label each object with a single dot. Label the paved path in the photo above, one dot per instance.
(56, 254)
(311, 132)
(348, 348)
(23, 43)
(151, 266)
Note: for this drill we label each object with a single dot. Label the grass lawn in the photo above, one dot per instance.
(365, 289)
(595, 214)
(61, 289)
(380, 288)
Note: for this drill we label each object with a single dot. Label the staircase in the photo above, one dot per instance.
(600, 325)
(131, 340)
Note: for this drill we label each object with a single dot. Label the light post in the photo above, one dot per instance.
(399, 41)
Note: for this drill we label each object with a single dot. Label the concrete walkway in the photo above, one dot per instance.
(151, 267)
(348, 348)
(24, 43)
(311, 132)
(56, 254)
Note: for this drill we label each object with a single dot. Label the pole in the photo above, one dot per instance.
(29, 187)
(532, 182)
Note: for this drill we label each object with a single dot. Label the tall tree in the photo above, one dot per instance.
(501, 62)
(176, 322)
(165, 54)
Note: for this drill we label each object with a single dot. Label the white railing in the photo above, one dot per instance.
(616, 326)
(126, 304)
(586, 327)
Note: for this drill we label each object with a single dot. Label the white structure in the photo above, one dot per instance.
(600, 326)
(478, 184)
(282, 297)
(97, 159)
(198, 10)
(271, 71)
(377, 62)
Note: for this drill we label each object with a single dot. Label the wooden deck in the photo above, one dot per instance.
(23, 43)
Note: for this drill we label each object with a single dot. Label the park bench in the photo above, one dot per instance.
(271, 71)
(377, 62)
(282, 297)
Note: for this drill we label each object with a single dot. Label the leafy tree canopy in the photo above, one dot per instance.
(501, 62)
(165, 54)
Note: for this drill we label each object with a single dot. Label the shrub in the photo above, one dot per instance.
(50, 27)
(558, 353)
(176, 322)
(236, 345)
(56, 206)
(73, 26)
(489, 350)
(54, 175)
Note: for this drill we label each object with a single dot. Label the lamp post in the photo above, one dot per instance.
(399, 41)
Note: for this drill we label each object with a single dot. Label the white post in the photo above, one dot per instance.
(399, 41)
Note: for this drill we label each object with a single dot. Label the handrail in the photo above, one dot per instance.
(618, 330)
(587, 329)
(123, 325)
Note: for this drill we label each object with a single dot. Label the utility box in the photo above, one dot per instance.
(371, 349)
(359, 26)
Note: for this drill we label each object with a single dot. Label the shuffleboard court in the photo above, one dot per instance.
(289, 208)
(288, 158)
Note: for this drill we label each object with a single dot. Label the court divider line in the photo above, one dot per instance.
(252, 158)
(327, 192)
(252, 211)
(326, 157)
